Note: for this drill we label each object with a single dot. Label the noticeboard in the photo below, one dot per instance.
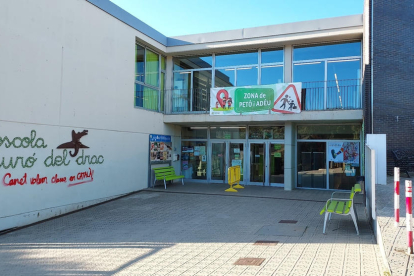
(160, 148)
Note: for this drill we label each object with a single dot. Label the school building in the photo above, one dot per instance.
(93, 99)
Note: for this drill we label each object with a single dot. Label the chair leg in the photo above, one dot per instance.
(324, 223)
(165, 185)
(330, 214)
(352, 212)
(182, 181)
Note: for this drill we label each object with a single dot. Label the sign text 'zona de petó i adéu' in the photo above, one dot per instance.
(280, 98)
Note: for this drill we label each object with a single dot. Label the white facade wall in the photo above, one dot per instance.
(67, 65)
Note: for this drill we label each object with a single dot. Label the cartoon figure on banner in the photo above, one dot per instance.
(229, 102)
(224, 101)
(292, 105)
(285, 100)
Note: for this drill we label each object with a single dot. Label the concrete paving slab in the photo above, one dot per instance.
(282, 230)
(183, 232)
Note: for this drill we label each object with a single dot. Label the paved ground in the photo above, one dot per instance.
(394, 238)
(195, 230)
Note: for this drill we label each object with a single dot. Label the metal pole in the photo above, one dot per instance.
(397, 196)
(409, 214)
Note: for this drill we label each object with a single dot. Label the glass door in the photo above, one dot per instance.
(237, 157)
(312, 165)
(218, 161)
(223, 155)
(276, 164)
(257, 163)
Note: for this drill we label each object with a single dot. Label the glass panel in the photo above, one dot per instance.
(312, 76)
(342, 174)
(270, 56)
(257, 159)
(153, 68)
(224, 60)
(146, 97)
(348, 132)
(181, 92)
(277, 163)
(247, 76)
(139, 95)
(162, 86)
(193, 161)
(266, 132)
(312, 165)
(237, 156)
(228, 133)
(327, 51)
(218, 162)
(194, 133)
(163, 64)
(343, 86)
(201, 90)
(139, 63)
(224, 78)
(271, 74)
(183, 63)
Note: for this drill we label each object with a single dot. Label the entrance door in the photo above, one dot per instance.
(218, 161)
(237, 157)
(257, 163)
(267, 160)
(223, 155)
(276, 170)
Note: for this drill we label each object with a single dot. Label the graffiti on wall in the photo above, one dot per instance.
(54, 159)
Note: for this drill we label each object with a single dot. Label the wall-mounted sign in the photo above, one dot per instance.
(160, 148)
(259, 99)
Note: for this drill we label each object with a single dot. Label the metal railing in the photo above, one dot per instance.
(328, 95)
(319, 95)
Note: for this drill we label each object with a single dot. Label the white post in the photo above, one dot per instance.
(397, 196)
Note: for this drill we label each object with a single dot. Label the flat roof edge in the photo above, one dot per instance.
(129, 19)
(341, 22)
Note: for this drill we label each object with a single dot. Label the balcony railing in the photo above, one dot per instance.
(320, 95)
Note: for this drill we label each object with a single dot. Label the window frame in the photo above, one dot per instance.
(325, 61)
(144, 84)
(213, 69)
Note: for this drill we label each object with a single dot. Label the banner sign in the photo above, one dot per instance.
(259, 99)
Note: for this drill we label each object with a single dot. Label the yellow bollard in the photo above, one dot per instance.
(237, 177)
(234, 177)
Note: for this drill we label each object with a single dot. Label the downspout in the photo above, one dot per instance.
(372, 66)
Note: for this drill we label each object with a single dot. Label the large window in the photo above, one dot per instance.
(194, 76)
(149, 79)
(192, 82)
(330, 75)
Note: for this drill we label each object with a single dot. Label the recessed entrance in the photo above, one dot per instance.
(266, 163)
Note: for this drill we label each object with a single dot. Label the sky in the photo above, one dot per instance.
(182, 17)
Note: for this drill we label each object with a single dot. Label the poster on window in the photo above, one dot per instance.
(351, 153)
(344, 152)
(280, 98)
(336, 152)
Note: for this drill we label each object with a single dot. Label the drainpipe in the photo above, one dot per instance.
(372, 66)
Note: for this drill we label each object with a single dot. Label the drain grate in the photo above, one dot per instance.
(249, 261)
(266, 243)
(288, 221)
